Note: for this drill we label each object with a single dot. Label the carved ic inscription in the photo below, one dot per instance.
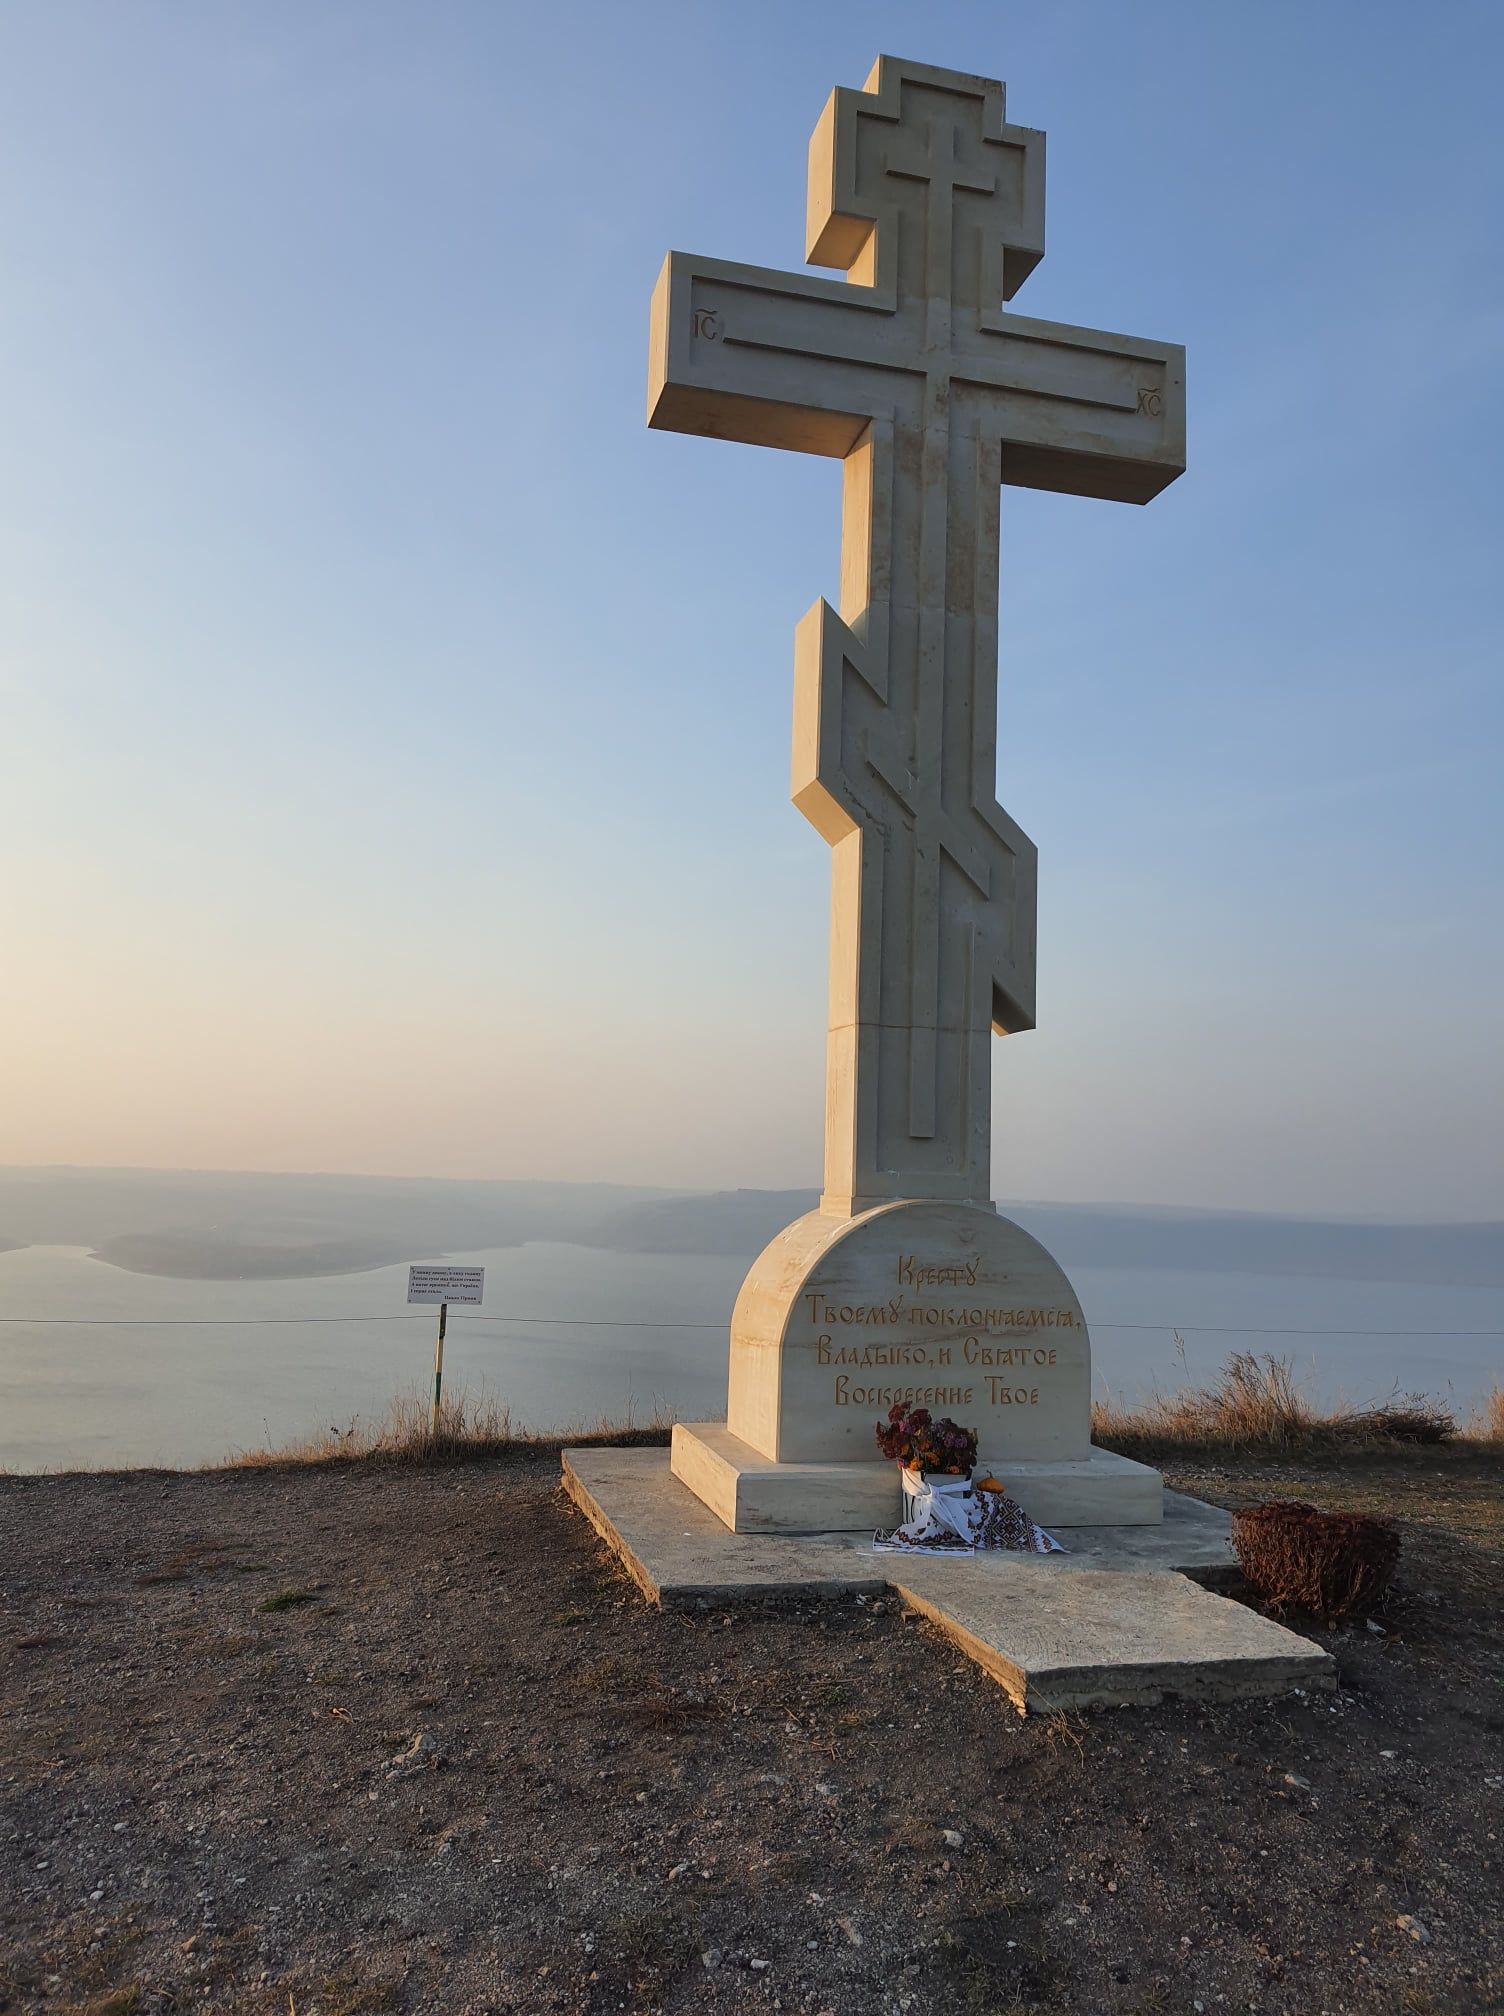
(707, 323)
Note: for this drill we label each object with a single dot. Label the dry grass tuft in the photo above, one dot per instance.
(470, 1427)
(289, 1599)
(1332, 1564)
(1487, 1425)
(666, 1710)
(1256, 1404)
(118, 2002)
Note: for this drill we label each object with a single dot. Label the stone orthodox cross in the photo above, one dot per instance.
(932, 398)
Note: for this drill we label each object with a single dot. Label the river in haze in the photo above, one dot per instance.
(148, 1381)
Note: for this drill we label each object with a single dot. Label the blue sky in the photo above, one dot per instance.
(394, 759)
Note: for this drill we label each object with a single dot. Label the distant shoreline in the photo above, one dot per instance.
(225, 1229)
(175, 1258)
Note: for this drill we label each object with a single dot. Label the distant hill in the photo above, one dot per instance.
(1231, 1242)
(741, 1222)
(213, 1226)
(216, 1225)
(186, 1256)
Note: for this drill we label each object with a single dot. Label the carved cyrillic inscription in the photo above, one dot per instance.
(847, 1395)
(975, 1328)
(959, 1316)
(937, 1274)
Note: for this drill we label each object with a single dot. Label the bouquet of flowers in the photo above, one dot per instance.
(933, 1448)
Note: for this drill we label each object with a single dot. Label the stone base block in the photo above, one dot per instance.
(751, 1493)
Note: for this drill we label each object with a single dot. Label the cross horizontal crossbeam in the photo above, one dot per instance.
(782, 360)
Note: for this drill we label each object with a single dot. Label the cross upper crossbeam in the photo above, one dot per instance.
(787, 360)
(933, 397)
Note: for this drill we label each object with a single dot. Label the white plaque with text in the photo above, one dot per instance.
(445, 1284)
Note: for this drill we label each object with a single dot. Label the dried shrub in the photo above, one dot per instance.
(1332, 1564)
(1413, 1418)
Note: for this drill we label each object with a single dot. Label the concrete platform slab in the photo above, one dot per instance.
(680, 1552)
(1104, 1639)
(1117, 1620)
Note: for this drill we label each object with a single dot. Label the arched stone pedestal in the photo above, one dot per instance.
(946, 1306)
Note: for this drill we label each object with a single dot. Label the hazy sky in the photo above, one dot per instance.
(394, 733)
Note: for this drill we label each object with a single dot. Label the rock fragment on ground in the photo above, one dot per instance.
(422, 1754)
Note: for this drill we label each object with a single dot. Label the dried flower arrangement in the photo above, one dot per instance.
(934, 1448)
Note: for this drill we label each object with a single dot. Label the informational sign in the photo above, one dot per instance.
(446, 1284)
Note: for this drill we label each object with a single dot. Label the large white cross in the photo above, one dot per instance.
(933, 398)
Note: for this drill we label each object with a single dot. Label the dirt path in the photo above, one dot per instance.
(203, 1680)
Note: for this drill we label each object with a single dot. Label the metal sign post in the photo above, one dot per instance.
(438, 1371)
(443, 1285)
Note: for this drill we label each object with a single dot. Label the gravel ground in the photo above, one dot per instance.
(206, 1681)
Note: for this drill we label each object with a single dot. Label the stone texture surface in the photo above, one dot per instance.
(752, 1494)
(1117, 1620)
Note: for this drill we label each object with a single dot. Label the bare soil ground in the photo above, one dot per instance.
(204, 1680)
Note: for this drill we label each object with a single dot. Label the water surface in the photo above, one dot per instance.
(146, 1381)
